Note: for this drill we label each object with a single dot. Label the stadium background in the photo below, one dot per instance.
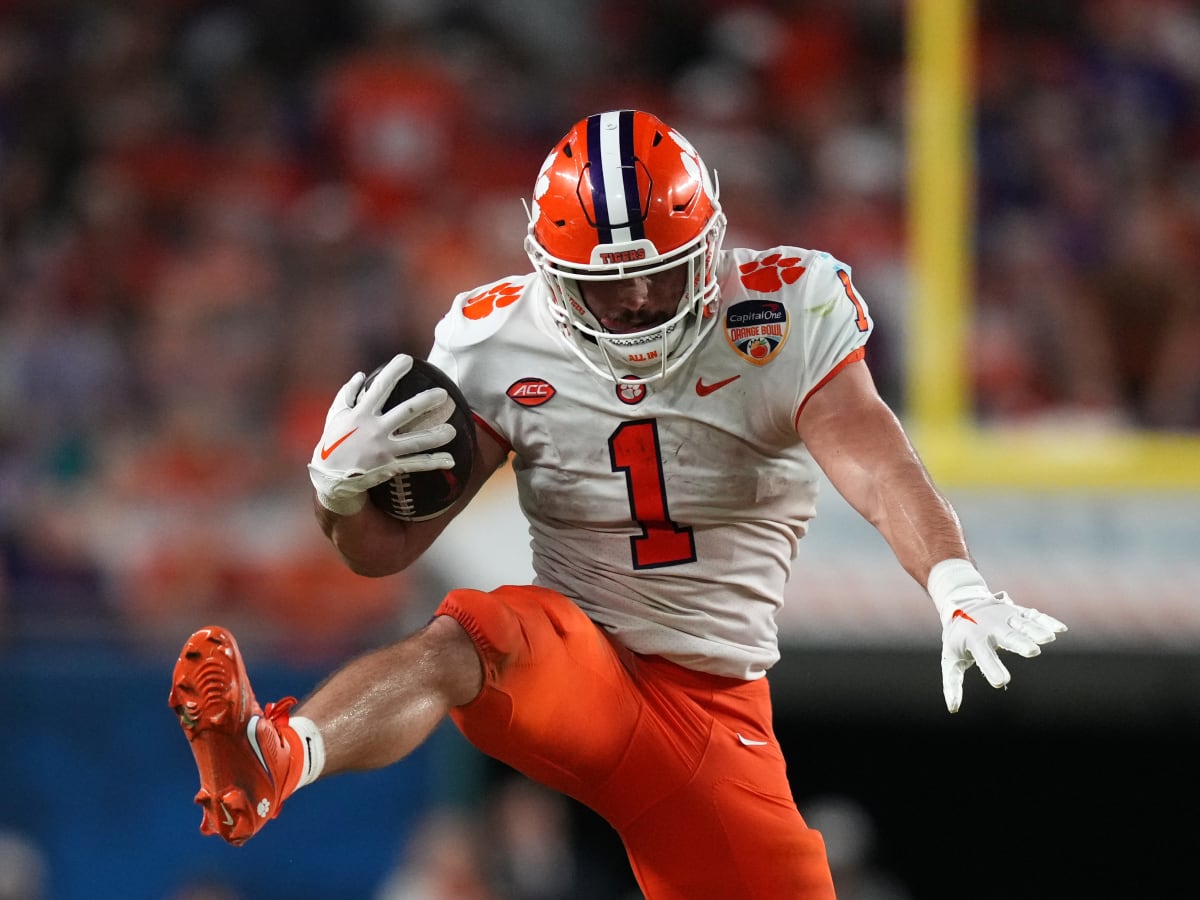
(211, 212)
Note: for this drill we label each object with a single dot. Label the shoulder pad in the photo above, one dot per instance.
(478, 314)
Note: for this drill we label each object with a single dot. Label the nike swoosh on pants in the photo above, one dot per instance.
(749, 742)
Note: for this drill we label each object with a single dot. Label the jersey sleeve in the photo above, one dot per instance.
(486, 316)
(836, 324)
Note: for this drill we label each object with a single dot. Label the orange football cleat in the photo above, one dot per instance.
(243, 757)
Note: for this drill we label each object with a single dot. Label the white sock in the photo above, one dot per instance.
(314, 749)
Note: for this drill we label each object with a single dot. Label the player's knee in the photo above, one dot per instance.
(458, 667)
(492, 624)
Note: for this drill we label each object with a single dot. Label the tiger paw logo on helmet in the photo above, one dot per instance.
(770, 273)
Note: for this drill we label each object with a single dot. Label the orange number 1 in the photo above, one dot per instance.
(860, 318)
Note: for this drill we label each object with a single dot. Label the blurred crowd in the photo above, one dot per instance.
(212, 213)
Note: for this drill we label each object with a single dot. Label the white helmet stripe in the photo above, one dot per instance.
(613, 175)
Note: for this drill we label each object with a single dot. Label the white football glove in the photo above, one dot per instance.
(976, 623)
(363, 446)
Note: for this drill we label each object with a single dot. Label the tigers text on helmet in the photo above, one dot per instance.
(624, 194)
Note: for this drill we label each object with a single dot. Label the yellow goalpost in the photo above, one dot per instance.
(958, 452)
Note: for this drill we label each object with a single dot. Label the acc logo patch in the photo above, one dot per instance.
(531, 391)
(757, 329)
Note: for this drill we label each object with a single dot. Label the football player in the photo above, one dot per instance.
(666, 404)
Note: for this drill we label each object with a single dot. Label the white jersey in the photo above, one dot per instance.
(670, 512)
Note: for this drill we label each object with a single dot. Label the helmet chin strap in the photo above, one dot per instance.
(617, 367)
(653, 345)
(663, 342)
(607, 354)
(639, 357)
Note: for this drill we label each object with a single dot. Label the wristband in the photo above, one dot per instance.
(951, 581)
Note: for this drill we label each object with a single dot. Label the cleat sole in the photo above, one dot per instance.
(211, 697)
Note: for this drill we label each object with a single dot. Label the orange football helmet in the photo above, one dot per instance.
(623, 193)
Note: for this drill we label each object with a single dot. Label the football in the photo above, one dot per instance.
(417, 496)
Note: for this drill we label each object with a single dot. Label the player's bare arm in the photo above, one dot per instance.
(861, 446)
(375, 544)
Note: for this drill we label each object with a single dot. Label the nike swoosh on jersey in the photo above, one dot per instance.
(705, 389)
(750, 742)
(325, 451)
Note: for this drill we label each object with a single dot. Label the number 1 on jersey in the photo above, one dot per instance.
(860, 315)
(634, 450)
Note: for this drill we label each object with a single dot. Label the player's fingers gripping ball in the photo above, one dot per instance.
(402, 436)
(434, 481)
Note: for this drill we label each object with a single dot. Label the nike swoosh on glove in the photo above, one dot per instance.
(363, 445)
(974, 629)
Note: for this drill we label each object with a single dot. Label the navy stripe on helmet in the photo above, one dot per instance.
(596, 169)
(633, 205)
(613, 170)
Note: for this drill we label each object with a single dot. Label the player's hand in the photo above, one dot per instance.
(974, 628)
(363, 446)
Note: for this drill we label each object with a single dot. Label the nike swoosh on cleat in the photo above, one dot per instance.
(959, 614)
(325, 451)
(748, 742)
(252, 736)
(705, 389)
(228, 816)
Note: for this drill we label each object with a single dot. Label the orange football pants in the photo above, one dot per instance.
(683, 764)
